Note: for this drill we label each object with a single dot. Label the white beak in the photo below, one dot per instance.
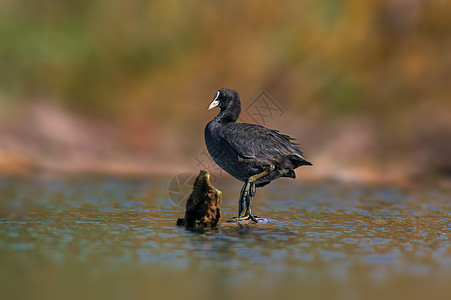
(213, 104)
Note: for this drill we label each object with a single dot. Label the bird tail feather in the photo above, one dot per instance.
(298, 161)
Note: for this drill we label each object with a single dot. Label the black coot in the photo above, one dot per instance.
(251, 153)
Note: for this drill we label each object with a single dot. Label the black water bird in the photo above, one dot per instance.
(251, 153)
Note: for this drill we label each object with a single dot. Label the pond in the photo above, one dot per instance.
(93, 237)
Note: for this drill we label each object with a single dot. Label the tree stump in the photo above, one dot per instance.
(203, 205)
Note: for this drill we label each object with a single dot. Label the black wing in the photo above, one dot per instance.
(255, 141)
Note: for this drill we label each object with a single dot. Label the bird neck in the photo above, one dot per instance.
(231, 113)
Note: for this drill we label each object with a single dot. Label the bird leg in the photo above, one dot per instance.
(248, 213)
(247, 195)
(245, 204)
(250, 198)
(242, 205)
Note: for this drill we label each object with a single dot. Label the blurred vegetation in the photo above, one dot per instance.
(336, 67)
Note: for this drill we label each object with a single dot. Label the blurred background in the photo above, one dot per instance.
(122, 87)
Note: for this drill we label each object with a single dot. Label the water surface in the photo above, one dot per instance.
(111, 238)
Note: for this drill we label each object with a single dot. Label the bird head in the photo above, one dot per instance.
(224, 98)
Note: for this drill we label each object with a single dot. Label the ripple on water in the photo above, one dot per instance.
(354, 236)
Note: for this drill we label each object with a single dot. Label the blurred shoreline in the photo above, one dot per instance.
(49, 140)
(123, 87)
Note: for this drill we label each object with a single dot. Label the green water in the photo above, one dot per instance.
(110, 238)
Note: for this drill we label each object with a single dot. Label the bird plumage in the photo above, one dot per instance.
(243, 149)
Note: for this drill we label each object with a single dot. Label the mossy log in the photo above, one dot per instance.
(203, 205)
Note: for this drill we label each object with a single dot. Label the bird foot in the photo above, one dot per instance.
(248, 217)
